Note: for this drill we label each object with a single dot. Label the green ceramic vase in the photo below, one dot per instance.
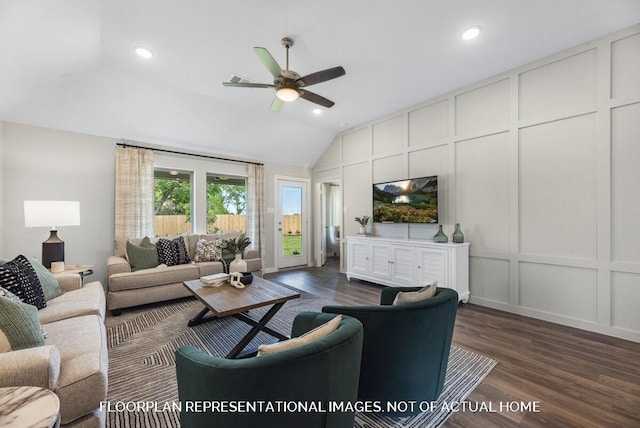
(458, 236)
(440, 237)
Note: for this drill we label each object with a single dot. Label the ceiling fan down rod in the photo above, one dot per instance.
(287, 43)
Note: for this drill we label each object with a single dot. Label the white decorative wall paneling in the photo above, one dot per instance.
(539, 165)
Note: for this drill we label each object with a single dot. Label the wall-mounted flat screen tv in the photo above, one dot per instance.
(406, 201)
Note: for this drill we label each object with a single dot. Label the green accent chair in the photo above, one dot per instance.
(406, 347)
(318, 372)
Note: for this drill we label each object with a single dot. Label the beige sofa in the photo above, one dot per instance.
(73, 363)
(127, 288)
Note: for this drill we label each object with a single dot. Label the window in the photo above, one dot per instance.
(172, 202)
(226, 203)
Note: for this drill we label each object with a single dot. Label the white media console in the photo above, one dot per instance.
(409, 262)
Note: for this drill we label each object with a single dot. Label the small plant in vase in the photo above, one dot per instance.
(237, 246)
(362, 221)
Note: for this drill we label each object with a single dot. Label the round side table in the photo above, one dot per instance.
(29, 407)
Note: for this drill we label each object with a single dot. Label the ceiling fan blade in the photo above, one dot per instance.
(268, 61)
(321, 76)
(315, 98)
(276, 105)
(248, 85)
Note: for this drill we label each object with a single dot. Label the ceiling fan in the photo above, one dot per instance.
(287, 83)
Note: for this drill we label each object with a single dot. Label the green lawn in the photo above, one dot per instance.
(292, 244)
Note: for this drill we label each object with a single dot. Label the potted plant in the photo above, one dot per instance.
(362, 221)
(236, 246)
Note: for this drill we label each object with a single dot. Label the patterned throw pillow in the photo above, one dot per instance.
(207, 251)
(19, 326)
(19, 277)
(143, 256)
(49, 283)
(172, 252)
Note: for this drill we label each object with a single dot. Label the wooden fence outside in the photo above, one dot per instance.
(171, 225)
(177, 224)
(291, 224)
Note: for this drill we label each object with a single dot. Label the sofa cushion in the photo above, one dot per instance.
(143, 256)
(209, 268)
(19, 325)
(153, 277)
(82, 384)
(88, 300)
(311, 336)
(172, 252)
(424, 293)
(19, 277)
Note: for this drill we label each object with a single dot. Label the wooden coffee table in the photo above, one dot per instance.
(227, 300)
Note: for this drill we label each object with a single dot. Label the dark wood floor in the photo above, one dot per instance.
(578, 378)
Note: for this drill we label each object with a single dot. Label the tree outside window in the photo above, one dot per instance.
(226, 204)
(172, 202)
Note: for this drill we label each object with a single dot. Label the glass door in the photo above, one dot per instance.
(291, 230)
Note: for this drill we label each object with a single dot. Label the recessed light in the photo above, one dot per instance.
(143, 52)
(317, 111)
(173, 172)
(471, 32)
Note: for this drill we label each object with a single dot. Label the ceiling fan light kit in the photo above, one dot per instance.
(287, 93)
(287, 83)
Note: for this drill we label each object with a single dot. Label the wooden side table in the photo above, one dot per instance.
(29, 407)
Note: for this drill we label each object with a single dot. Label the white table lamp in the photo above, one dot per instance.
(52, 214)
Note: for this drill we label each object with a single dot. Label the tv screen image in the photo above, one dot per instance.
(406, 201)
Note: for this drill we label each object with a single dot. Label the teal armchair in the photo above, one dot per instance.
(406, 347)
(318, 372)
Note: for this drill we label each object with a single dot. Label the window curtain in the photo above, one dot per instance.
(255, 207)
(134, 193)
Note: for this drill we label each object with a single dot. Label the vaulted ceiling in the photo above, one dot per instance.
(70, 64)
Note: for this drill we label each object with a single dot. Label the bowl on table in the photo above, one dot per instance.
(247, 278)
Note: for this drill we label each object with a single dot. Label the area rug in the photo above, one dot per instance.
(142, 378)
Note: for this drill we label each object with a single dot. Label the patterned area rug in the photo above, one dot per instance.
(142, 378)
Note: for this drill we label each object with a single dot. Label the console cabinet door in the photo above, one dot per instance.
(403, 266)
(381, 261)
(433, 266)
(358, 258)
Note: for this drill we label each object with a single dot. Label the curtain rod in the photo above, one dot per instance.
(188, 154)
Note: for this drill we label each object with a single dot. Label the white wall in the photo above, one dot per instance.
(46, 164)
(539, 165)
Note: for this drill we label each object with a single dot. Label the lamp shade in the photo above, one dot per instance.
(51, 213)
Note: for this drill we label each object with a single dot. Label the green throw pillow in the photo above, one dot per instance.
(143, 256)
(19, 326)
(49, 283)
